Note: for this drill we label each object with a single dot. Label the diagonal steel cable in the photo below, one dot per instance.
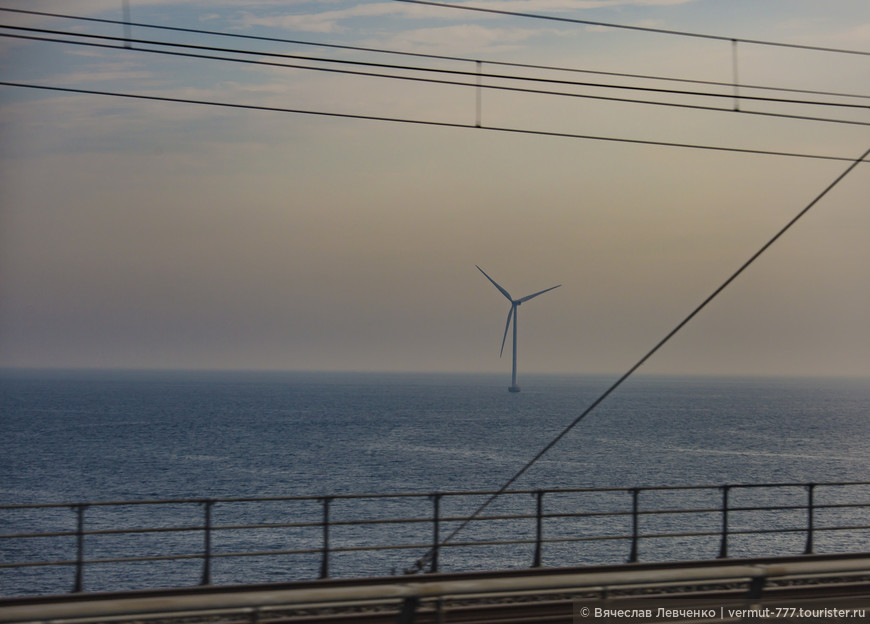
(421, 563)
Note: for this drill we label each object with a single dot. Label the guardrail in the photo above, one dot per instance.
(363, 534)
(735, 592)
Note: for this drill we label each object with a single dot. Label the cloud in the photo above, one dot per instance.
(458, 39)
(541, 6)
(331, 21)
(103, 72)
(853, 36)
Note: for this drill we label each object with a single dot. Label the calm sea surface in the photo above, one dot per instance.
(75, 437)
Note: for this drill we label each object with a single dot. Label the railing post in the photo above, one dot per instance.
(436, 527)
(539, 528)
(635, 529)
(810, 513)
(324, 562)
(78, 584)
(206, 551)
(723, 548)
(409, 609)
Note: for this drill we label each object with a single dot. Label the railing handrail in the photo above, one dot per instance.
(630, 508)
(422, 520)
(320, 497)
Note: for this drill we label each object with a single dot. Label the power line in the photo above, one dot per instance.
(440, 71)
(422, 122)
(660, 31)
(423, 55)
(477, 85)
(199, 31)
(421, 563)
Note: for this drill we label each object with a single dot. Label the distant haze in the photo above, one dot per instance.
(143, 234)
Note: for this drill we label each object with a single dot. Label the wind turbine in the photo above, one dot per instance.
(515, 303)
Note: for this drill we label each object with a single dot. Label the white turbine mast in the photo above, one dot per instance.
(512, 315)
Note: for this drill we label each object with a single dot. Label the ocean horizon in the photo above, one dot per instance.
(297, 423)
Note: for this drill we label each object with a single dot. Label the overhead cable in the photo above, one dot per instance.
(433, 70)
(493, 62)
(423, 561)
(648, 29)
(478, 84)
(423, 122)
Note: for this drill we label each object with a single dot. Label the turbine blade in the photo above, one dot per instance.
(494, 283)
(506, 327)
(538, 293)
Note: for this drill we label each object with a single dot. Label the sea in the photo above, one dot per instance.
(97, 436)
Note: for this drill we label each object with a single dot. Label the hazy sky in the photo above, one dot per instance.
(137, 233)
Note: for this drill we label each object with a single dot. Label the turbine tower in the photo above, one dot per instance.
(512, 315)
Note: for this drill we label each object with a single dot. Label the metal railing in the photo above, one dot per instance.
(305, 535)
(724, 593)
